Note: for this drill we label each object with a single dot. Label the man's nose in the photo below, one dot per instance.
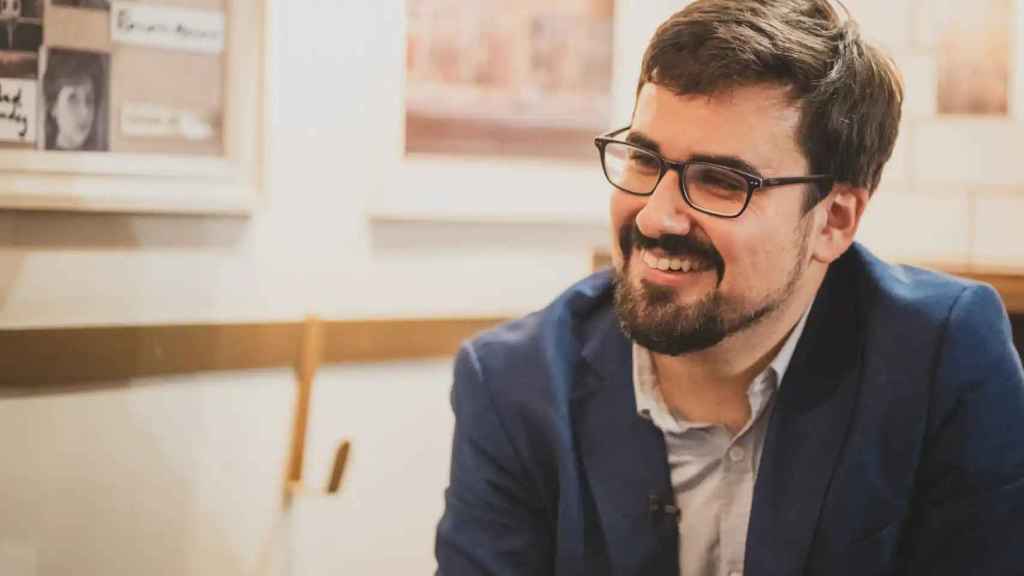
(666, 211)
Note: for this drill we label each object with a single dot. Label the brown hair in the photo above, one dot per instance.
(848, 91)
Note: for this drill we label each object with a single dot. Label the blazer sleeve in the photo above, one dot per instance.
(968, 514)
(493, 522)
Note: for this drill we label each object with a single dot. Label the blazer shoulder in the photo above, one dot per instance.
(532, 356)
(907, 292)
(557, 324)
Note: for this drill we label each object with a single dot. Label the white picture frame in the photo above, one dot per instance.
(157, 183)
(506, 190)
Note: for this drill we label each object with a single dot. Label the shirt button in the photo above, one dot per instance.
(736, 454)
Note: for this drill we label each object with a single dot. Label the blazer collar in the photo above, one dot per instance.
(623, 460)
(807, 430)
(623, 457)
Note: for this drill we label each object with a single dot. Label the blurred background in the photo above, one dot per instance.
(424, 169)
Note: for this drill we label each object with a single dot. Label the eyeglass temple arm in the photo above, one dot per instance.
(818, 178)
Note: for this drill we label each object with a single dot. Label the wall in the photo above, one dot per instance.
(183, 476)
(952, 192)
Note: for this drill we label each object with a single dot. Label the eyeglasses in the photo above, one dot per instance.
(710, 188)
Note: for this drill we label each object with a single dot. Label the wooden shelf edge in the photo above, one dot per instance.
(36, 360)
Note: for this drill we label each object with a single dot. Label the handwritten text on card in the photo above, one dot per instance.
(168, 27)
(17, 110)
(153, 121)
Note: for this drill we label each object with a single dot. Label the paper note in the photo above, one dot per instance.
(18, 110)
(167, 27)
(153, 121)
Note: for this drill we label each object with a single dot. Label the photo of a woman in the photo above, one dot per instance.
(75, 93)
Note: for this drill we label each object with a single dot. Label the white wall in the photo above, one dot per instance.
(183, 476)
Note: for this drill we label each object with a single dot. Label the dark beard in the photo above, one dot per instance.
(651, 317)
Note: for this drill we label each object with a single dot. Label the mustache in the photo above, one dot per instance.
(630, 238)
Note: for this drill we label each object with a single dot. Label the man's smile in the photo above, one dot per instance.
(668, 263)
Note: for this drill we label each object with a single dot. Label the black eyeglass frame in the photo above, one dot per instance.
(754, 182)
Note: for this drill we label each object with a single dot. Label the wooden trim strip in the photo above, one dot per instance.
(34, 360)
(1009, 286)
(388, 340)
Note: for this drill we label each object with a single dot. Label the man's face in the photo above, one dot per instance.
(741, 269)
(74, 111)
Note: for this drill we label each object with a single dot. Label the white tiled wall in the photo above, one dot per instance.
(953, 194)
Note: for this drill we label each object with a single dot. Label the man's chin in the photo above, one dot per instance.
(666, 322)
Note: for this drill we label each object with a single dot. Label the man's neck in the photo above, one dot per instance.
(710, 386)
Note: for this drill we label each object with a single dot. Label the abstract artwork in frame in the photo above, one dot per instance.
(973, 45)
(529, 78)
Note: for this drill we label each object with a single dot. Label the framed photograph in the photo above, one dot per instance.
(498, 78)
(75, 100)
(523, 159)
(133, 106)
(974, 48)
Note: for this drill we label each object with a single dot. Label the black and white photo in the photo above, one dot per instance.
(75, 92)
(21, 25)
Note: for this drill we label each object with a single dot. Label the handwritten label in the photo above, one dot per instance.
(18, 110)
(154, 121)
(167, 27)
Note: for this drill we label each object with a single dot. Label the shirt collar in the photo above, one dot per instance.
(651, 405)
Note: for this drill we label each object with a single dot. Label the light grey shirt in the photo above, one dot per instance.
(712, 472)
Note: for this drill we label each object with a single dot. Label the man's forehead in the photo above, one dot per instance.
(760, 119)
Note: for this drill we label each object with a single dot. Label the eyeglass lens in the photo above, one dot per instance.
(708, 187)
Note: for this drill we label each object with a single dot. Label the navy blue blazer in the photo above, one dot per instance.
(896, 445)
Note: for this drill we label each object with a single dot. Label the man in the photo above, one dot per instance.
(750, 392)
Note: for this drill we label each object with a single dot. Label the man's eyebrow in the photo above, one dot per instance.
(730, 161)
(642, 140)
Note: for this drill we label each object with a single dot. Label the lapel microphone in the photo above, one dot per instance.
(657, 509)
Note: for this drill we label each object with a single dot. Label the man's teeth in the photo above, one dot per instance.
(666, 264)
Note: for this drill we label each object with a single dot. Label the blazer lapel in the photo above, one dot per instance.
(622, 457)
(807, 431)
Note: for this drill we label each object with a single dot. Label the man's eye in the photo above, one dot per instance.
(706, 182)
(643, 161)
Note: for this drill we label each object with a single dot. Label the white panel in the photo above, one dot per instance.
(926, 228)
(885, 22)
(920, 83)
(399, 421)
(968, 151)
(169, 477)
(998, 233)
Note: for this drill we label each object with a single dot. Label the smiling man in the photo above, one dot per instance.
(748, 391)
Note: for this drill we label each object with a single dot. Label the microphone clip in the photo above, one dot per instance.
(658, 510)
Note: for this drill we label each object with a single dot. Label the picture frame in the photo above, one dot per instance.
(225, 183)
(502, 189)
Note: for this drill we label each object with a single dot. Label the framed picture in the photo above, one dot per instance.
(974, 51)
(118, 105)
(528, 79)
(536, 163)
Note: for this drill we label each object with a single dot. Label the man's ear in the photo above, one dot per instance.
(843, 208)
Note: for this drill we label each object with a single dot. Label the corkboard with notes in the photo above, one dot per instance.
(130, 92)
